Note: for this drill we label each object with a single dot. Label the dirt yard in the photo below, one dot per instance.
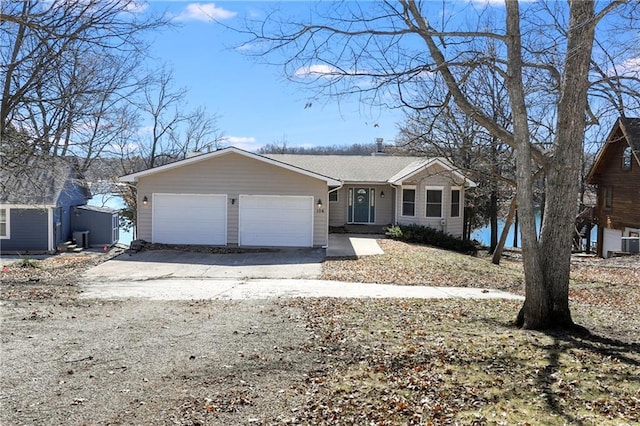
(140, 362)
(71, 361)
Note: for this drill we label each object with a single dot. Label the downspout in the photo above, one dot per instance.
(328, 207)
(50, 237)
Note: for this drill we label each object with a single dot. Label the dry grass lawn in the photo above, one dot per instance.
(462, 361)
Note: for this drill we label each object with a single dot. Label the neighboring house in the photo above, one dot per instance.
(234, 197)
(39, 208)
(616, 172)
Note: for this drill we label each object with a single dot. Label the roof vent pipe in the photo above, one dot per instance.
(379, 145)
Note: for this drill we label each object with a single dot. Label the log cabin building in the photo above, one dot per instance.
(616, 173)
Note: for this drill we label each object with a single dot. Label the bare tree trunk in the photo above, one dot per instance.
(493, 220)
(548, 306)
(515, 229)
(497, 254)
(562, 183)
(536, 305)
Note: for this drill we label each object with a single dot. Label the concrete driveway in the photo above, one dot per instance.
(179, 275)
(174, 264)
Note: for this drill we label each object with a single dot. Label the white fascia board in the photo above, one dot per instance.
(397, 180)
(135, 176)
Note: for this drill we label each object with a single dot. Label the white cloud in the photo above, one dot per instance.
(205, 12)
(317, 70)
(630, 66)
(248, 143)
(245, 47)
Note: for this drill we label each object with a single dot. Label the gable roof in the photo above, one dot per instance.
(630, 128)
(333, 169)
(39, 181)
(367, 168)
(133, 177)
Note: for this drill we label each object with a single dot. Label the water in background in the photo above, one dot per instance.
(483, 235)
(115, 202)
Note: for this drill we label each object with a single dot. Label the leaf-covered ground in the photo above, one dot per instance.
(412, 264)
(391, 362)
(463, 362)
(359, 362)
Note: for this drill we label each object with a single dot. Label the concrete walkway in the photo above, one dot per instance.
(353, 246)
(223, 289)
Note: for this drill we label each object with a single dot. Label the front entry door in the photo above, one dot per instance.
(362, 205)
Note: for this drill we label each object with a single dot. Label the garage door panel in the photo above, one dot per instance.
(285, 221)
(189, 219)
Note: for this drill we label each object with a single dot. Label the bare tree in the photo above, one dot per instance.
(159, 129)
(68, 68)
(382, 50)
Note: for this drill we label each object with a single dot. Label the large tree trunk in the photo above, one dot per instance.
(536, 305)
(547, 292)
(563, 175)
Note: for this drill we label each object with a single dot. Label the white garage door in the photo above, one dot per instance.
(611, 241)
(276, 220)
(189, 219)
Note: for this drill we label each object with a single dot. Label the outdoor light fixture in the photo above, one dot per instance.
(233, 201)
(145, 200)
(319, 203)
(381, 194)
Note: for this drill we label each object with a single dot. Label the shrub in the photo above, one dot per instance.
(426, 235)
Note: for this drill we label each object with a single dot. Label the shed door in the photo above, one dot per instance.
(189, 219)
(276, 220)
(611, 241)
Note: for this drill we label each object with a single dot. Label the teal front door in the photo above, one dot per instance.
(362, 209)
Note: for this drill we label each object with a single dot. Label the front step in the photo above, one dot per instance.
(69, 247)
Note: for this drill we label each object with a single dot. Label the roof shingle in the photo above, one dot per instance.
(352, 168)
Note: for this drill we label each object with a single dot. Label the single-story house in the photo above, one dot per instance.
(40, 206)
(616, 172)
(238, 198)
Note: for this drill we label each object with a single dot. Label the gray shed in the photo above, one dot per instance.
(97, 226)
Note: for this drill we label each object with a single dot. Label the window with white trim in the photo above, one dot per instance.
(408, 201)
(455, 202)
(4, 223)
(433, 203)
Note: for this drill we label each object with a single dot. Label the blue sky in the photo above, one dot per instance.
(255, 104)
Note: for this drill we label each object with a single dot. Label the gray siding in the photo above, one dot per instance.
(433, 177)
(338, 211)
(71, 195)
(28, 231)
(99, 224)
(232, 174)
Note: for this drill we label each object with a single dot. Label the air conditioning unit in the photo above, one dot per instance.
(631, 244)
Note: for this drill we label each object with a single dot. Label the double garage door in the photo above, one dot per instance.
(263, 220)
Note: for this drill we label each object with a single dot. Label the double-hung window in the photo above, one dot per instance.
(408, 201)
(433, 202)
(455, 202)
(4, 223)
